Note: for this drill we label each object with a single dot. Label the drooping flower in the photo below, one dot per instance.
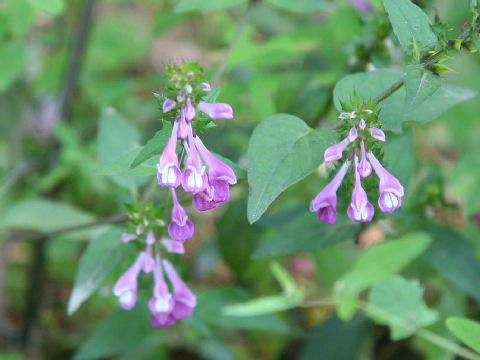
(216, 110)
(189, 110)
(360, 209)
(325, 203)
(362, 124)
(362, 6)
(206, 87)
(126, 286)
(168, 170)
(335, 152)
(185, 300)
(181, 228)
(162, 302)
(364, 168)
(168, 105)
(220, 175)
(148, 262)
(173, 246)
(391, 191)
(126, 237)
(205, 200)
(183, 126)
(194, 178)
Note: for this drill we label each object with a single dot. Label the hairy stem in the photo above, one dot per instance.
(236, 37)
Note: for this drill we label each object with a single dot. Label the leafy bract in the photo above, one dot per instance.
(282, 151)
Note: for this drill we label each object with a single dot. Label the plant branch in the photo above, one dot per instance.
(236, 37)
(71, 228)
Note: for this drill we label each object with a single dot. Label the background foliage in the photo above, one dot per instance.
(76, 84)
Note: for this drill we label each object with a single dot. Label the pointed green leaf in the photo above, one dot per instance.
(154, 146)
(121, 166)
(466, 330)
(53, 7)
(420, 85)
(102, 256)
(403, 299)
(301, 6)
(411, 26)
(12, 60)
(282, 151)
(194, 5)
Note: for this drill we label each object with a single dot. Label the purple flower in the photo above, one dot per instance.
(220, 175)
(362, 6)
(352, 134)
(360, 209)
(181, 228)
(206, 87)
(194, 179)
(185, 300)
(162, 303)
(168, 105)
(148, 262)
(391, 191)
(189, 110)
(168, 171)
(377, 134)
(364, 167)
(150, 238)
(173, 246)
(335, 152)
(325, 203)
(205, 200)
(126, 237)
(362, 124)
(126, 286)
(216, 110)
(183, 126)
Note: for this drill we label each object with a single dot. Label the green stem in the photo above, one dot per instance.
(236, 37)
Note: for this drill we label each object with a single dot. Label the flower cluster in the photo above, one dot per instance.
(200, 173)
(167, 306)
(360, 209)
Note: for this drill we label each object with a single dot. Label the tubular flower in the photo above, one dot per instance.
(360, 209)
(205, 201)
(162, 302)
(391, 191)
(168, 105)
(216, 110)
(168, 170)
(126, 286)
(364, 167)
(325, 203)
(181, 228)
(194, 178)
(185, 300)
(335, 152)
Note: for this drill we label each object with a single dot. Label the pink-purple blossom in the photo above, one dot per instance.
(216, 110)
(181, 228)
(126, 286)
(360, 209)
(168, 170)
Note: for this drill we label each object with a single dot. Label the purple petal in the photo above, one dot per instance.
(362, 6)
(364, 168)
(204, 201)
(168, 170)
(217, 169)
(362, 124)
(194, 178)
(206, 86)
(148, 262)
(126, 237)
(216, 110)
(126, 286)
(185, 300)
(168, 105)
(162, 302)
(173, 246)
(360, 209)
(189, 110)
(377, 134)
(352, 134)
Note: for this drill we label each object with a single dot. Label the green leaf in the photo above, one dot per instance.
(304, 233)
(44, 215)
(301, 6)
(371, 84)
(211, 300)
(282, 151)
(154, 146)
(121, 166)
(468, 331)
(374, 265)
(118, 333)
(403, 300)
(454, 258)
(411, 26)
(115, 138)
(102, 256)
(335, 339)
(402, 167)
(465, 182)
(420, 85)
(12, 60)
(53, 7)
(193, 5)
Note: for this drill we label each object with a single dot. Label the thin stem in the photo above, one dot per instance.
(397, 85)
(67, 229)
(236, 37)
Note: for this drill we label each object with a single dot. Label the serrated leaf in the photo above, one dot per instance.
(282, 151)
(468, 331)
(194, 5)
(374, 265)
(301, 6)
(154, 146)
(304, 233)
(420, 85)
(403, 299)
(411, 26)
(102, 256)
